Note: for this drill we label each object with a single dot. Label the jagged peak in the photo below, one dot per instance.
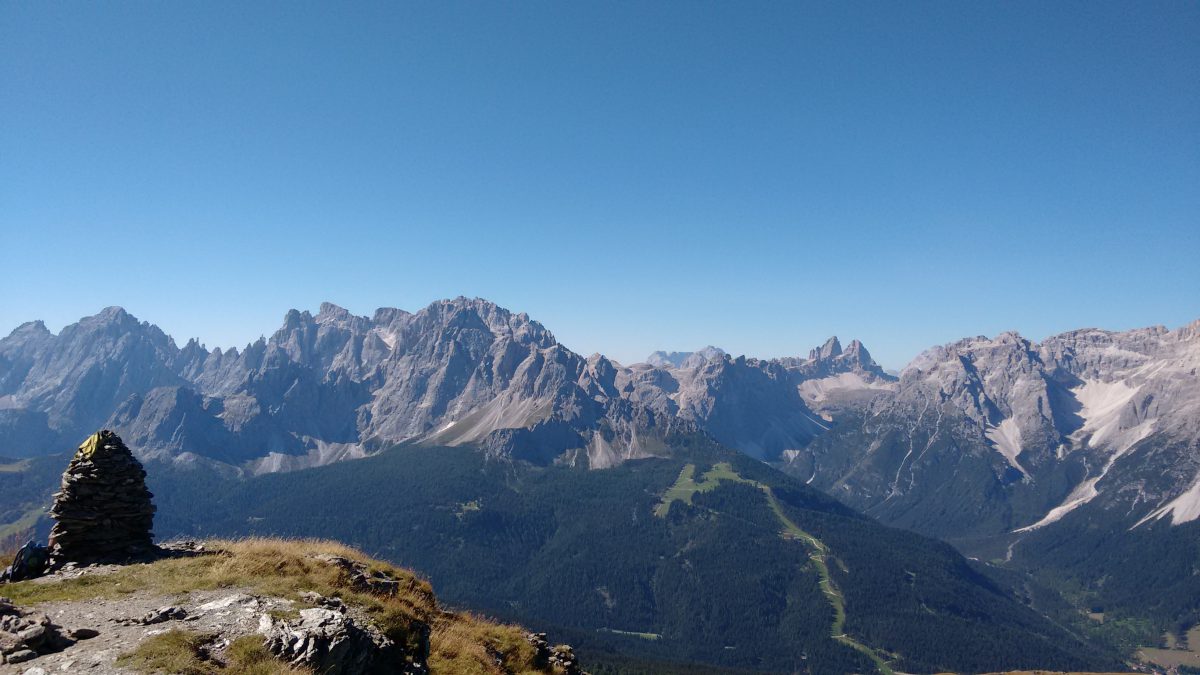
(295, 317)
(1010, 336)
(109, 316)
(37, 327)
(830, 349)
(193, 347)
(858, 351)
(112, 312)
(328, 307)
(498, 319)
(480, 306)
(331, 312)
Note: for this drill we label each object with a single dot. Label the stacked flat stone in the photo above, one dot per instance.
(104, 512)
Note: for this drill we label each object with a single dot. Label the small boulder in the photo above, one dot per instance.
(25, 635)
(330, 641)
(20, 656)
(30, 562)
(560, 658)
(162, 615)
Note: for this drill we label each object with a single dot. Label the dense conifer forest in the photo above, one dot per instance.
(583, 553)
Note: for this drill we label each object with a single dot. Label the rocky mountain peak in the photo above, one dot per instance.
(112, 313)
(463, 313)
(115, 324)
(30, 328)
(829, 350)
(830, 360)
(295, 318)
(330, 312)
(858, 353)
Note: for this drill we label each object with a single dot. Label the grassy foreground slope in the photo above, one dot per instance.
(722, 580)
(458, 642)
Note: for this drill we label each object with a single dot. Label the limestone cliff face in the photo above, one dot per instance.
(459, 372)
(322, 388)
(77, 378)
(1026, 433)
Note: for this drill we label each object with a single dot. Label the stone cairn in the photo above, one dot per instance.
(103, 512)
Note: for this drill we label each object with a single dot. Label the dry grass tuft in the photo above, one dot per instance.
(186, 653)
(473, 646)
(459, 642)
(175, 651)
(248, 656)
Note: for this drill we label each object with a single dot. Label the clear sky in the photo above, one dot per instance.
(635, 175)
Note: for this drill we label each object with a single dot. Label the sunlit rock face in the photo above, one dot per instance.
(337, 386)
(994, 435)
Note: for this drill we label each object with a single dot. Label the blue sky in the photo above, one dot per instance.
(634, 175)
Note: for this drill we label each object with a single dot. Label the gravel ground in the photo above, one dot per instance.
(229, 613)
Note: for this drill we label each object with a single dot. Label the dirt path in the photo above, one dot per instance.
(227, 612)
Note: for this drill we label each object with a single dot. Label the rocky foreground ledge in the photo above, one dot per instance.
(256, 606)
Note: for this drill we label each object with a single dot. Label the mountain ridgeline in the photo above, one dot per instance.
(336, 386)
(1031, 456)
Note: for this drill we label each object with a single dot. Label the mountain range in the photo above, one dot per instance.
(1044, 429)
(1024, 454)
(460, 372)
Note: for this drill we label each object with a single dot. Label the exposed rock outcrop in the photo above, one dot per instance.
(25, 635)
(559, 658)
(330, 641)
(360, 577)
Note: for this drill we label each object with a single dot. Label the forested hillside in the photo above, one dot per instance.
(719, 580)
